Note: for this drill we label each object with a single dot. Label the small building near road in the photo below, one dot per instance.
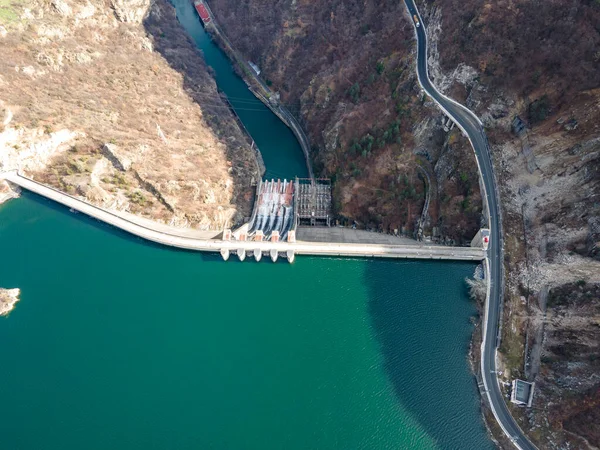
(522, 393)
(481, 239)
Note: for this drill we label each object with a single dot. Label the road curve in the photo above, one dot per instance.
(472, 127)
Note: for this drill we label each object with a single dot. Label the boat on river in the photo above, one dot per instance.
(202, 11)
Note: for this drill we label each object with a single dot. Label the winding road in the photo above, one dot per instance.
(472, 127)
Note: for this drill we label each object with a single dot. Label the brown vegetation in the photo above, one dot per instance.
(570, 363)
(98, 74)
(346, 69)
(522, 45)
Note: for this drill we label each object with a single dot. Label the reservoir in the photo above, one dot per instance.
(121, 344)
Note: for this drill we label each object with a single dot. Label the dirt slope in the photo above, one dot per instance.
(95, 103)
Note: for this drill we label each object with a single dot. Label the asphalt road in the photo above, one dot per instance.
(473, 129)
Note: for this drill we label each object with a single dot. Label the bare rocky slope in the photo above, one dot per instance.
(346, 68)
(539, 61)
(110, 101)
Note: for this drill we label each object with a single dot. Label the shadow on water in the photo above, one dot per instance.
(423, 328)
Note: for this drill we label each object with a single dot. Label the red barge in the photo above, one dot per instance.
(202, 11)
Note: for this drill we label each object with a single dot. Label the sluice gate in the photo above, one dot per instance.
(273, 218)
(274, 210)
(279, 207)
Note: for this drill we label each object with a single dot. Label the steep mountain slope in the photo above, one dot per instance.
(90, 105)
(345, 68)
(540, 61)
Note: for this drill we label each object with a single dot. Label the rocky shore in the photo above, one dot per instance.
(7, 192)
(8, 299)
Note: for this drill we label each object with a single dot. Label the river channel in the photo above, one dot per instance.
(121, 344)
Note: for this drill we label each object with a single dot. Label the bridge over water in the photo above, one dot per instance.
(227, 242)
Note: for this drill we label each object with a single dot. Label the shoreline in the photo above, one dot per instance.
(260, 162)
(494, 432)
(8, 192)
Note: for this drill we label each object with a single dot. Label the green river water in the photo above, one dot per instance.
(121, 344)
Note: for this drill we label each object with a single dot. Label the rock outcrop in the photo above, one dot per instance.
(8, 299)
(130, 11)
(7, 191)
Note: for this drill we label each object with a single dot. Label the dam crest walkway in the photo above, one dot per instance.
(158, 233)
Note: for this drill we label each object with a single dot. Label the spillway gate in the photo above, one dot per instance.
(279, 207)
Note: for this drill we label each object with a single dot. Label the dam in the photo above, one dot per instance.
(239, 242)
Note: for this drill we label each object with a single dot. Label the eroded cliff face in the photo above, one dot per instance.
(539, 62)
(346, 69)
(106, 100)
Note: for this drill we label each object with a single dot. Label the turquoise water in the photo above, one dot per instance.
(121, 344)
(280, 150)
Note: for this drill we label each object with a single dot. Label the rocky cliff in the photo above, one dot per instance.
(530, 70)
(110, 101)
(536, 84)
